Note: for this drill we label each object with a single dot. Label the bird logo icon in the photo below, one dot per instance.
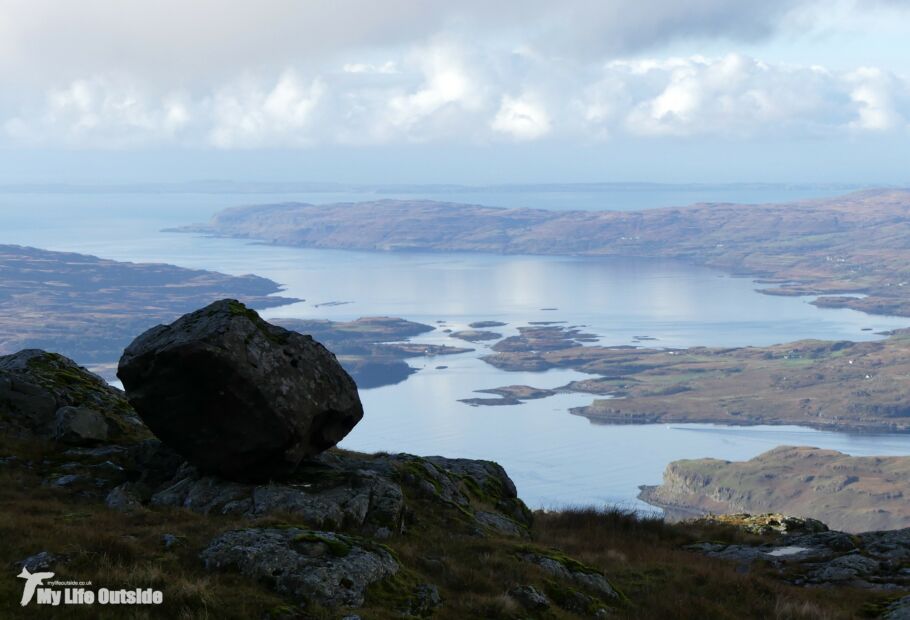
(32, 581)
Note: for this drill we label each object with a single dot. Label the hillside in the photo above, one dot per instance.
(853, 251)
(849, 493)
(89, 308)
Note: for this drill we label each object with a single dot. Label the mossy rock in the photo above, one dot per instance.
(56, 382)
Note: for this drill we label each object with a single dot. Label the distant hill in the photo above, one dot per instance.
(849, 493)
(89, 308)
(853, 251)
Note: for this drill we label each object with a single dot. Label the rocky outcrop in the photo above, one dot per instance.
(366, 493)
(852, 494)
(237, 396)
(771, 523)
(572, 571)
(47, 396)
(332, 493)
(871, 560)
(530, 598)
(323, 567)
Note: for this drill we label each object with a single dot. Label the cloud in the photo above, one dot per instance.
(732, 96)
(173, 43)
(284, 73)
(880, 98)
(521, 118)
(362, 67)
(445, 84)
(102, 112)
(446, 94)
(248, 116)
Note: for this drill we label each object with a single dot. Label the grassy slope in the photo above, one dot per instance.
(642, 558)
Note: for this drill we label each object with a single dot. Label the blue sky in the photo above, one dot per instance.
(408, 91)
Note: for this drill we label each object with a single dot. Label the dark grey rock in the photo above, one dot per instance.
(530, 598)
(488, 479)
(236, 395)
(580, 603)
(328, 498)
(171, 540)
(127, 497)
(831, 541)
(67, 480)
(845, 568)
(206, 495)
(891, 544)
(739, 553)
(873, 560)
(500, 524)
(47, 396)
(323, 567)
(488, 475)
(80, 426)
(898, 610)
(590, 579)
(156, 462)
(423, 601)
(98, 451)
(42, 560)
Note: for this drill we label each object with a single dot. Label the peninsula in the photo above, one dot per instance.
(849, 493)
(840, 385)
(88, 308)
(852, 251)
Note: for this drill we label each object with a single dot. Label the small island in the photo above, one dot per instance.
(486, 324)
(509, 395)
(475, 335)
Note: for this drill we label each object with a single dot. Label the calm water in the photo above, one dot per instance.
(555, 458)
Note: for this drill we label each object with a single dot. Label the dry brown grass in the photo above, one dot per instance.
(117, 550)
(641, 557)
(644, 558)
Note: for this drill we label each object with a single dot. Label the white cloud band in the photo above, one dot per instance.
(442, 93)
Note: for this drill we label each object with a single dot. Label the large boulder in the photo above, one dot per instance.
(237, 396)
